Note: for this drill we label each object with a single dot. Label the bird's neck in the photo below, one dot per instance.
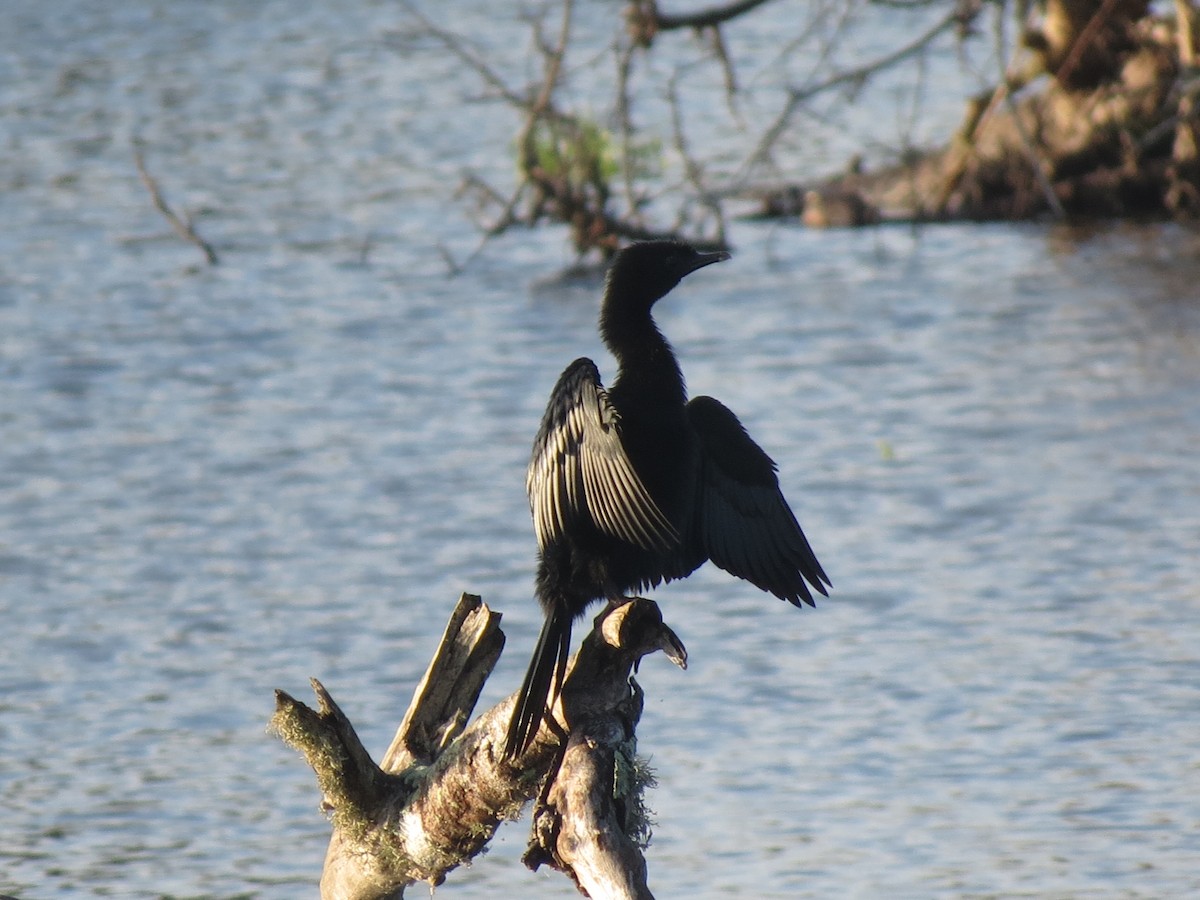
(647, 368)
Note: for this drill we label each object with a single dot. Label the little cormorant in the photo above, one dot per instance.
(633, 485)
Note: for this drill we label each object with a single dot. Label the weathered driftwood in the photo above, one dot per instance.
(443, 788)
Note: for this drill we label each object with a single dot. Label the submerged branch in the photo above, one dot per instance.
(183, 228)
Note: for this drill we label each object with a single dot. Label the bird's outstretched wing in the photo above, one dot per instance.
(580, 471)
(742, 521)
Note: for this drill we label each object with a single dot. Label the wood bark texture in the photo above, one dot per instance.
(443, 788)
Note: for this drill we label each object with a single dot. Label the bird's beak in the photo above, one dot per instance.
(707, 259)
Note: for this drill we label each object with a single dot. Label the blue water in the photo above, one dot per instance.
(215, 482)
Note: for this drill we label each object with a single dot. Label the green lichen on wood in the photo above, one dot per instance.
(632, 777)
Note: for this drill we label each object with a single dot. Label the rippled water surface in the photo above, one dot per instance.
(219, 481)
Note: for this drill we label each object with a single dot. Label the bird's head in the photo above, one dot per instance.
(643, 273)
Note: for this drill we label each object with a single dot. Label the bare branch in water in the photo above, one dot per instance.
(183, 227)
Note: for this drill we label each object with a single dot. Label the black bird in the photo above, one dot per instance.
(633, 486)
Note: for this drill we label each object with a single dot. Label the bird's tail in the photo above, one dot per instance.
(549, 665)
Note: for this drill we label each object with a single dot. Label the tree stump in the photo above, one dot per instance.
(443, 788)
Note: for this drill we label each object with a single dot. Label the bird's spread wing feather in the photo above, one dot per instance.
(579, 469)
(743, 522)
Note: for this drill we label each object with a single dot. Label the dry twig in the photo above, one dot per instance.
(858, 75)
(562, 176)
